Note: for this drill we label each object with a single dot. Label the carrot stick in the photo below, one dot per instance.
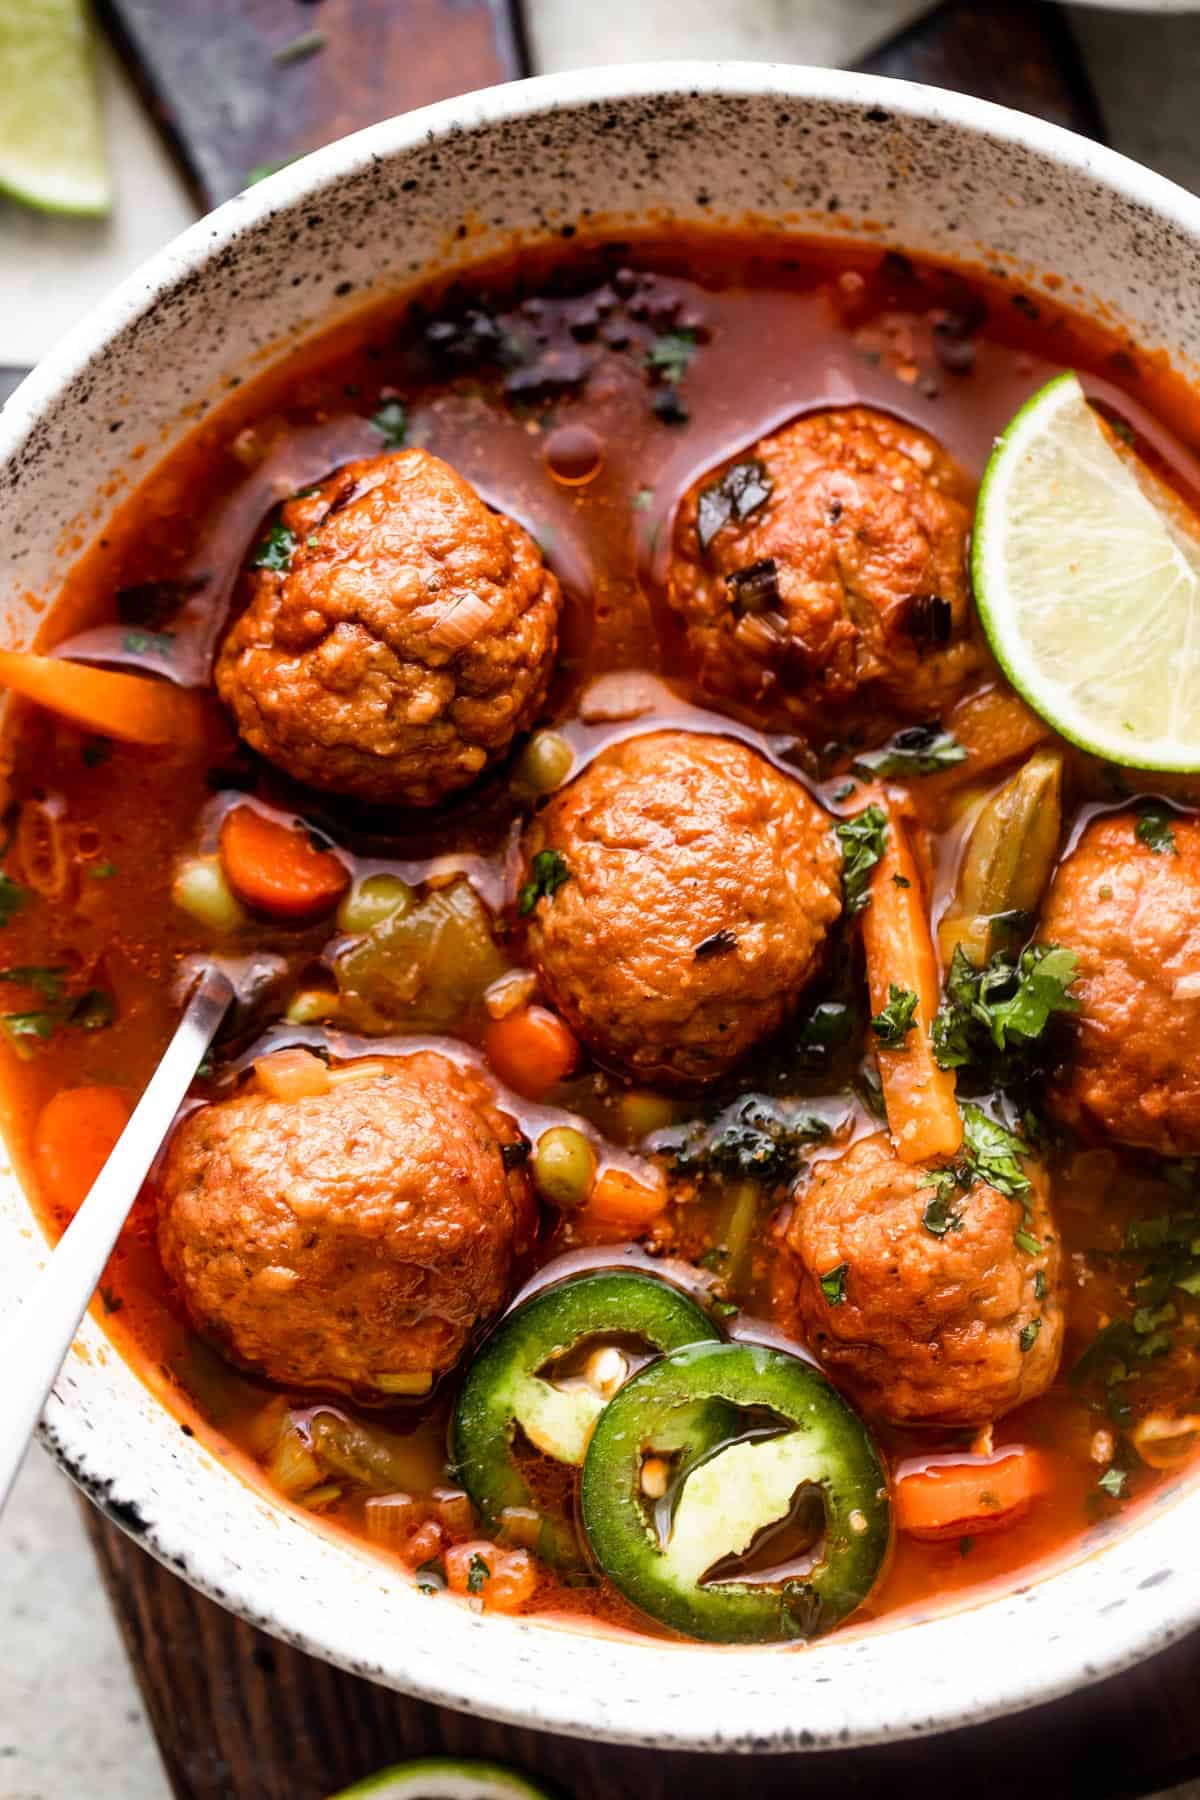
(957, 1499)
(133, 708)
(919, 1097)
(275, 868)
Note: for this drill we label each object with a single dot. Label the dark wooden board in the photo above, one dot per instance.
(234, 89)
(238, 1715)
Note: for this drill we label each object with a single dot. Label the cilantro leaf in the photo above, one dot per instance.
(391, 422)
(1154, 830)
(548, 871)
(993, 1153)
(939, 1216)
(917, 750)
(992, 1018)
(864, 840)
(1029, 1335)
(478, 1571)
(893, 1024)
(1114, 1482)
(833, 1284)
(275, 550)
(670, 354)
(45, 981)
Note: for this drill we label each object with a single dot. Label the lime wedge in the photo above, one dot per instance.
(444, 1778)
(51, 135)
(1087, 578)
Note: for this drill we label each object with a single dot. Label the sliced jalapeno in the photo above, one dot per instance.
(730, 1493)
(509, 1385)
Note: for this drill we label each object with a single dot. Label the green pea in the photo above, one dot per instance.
(545, 762)
(311, 1005)
(371, 900)
(564, 1167)
(643, 1112)
(201, 890)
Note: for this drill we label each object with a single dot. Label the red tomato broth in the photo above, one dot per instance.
(781, 328)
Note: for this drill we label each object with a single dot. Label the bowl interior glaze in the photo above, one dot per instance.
(818, 152)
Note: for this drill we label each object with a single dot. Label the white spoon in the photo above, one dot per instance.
(35, 1342)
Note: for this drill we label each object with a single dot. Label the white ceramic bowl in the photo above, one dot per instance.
(924, 170)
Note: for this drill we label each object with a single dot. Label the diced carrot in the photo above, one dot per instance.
(619, 1197)
(275, 867)
(73, 1139)
(994, 726)
(136, 709)
(967, 1497)
(531, 1050)
(292, 1074)
(919, 1096)
(502, 1579)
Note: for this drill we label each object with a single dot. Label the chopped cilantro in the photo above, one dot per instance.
(893, 1024)
(478, 1571)
(939, 1216)
(740, 491)
(864, 840)
(1154, 830)
(299, 50)
(869, 1093)
(1039, 1284)
(48, 982)
(669, 355)
(1114, 1482)
(993, 1017)
(1029, 1334)
(150, 643)
(12, 898)
(391, 422)
(917, 750)
(993, 1153)
(276, 549)
(754, 1139)
(547, 873)
(668, 406)
(833, 1284)
(430, 1577)
(830, 1023)
(92, 1010)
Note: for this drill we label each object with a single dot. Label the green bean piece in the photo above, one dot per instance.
(1009, 859)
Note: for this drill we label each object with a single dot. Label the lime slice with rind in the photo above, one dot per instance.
(1086, 570)
(445, 1778)
(52, 153)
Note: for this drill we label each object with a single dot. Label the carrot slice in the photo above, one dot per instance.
(531, 1050)
(919, 1096)
(275, 868)
(73, 1139)
(963, 1499)
(136, 709)
(622, 1198)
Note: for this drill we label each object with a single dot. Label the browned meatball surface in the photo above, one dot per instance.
(827, 565)
(408, 640)
(1132, 916)
(359, 1233)
(700, 885)
(946, 1330)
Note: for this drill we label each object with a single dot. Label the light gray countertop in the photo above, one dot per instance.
(71, 1722)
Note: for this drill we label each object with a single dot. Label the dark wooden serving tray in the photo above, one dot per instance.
(238, 1715)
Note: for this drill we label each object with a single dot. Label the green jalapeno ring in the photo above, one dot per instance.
(679, 1407)
(503, 1389)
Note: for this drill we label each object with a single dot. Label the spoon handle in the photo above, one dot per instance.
(34, 1343)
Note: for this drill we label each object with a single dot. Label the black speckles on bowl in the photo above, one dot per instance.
(814, 151)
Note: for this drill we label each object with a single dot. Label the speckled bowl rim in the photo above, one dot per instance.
(1104, 1612)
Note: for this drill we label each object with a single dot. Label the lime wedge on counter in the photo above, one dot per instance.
(444, 1778)
(52, 152)
(1086, 570)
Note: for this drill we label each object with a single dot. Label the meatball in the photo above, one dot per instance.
(331, 1241)
(923, 1329)
(696, 886)
(825, 567)
(1131, 914)
(407, 639)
